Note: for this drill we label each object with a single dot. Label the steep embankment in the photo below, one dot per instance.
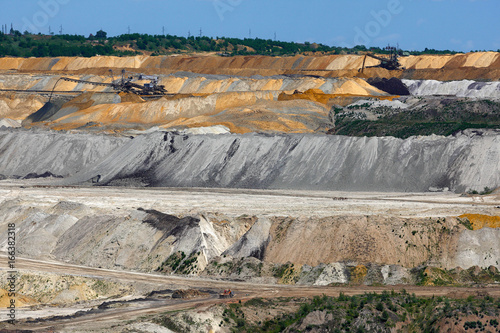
(364, 239)
(368, 249)
(259, 161)
(191, 83)
(464, 88)
(238, 103)
(485, 65)
(34, 153)
(305, 162)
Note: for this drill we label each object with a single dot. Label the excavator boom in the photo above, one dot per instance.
(391, 63)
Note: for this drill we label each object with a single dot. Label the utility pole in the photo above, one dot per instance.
(163, 31)
(189, 33)
(128, 29)
(250, 33)
(61, 30)
(201, 32)
(275, 36)
(50, 31)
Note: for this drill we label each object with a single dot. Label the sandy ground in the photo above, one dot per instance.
(236, 202)
(233, 202)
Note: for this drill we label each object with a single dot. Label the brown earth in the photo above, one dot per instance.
(240, 104)
(479, 65)
(479, 221)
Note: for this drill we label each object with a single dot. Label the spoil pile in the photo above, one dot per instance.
(393, 86)
(485, 65)
(188, 293)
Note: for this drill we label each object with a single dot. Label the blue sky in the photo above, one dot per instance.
(460, 25)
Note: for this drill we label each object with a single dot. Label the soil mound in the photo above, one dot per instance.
(302, 161)
(484, 65)
(393, 86)
(45, 113)
(188, 293)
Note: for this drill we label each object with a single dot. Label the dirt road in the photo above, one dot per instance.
(244, 291)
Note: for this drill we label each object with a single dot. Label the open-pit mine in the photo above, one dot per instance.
(135, 191)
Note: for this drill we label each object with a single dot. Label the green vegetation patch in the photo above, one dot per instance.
(366, 313)
(445, 119)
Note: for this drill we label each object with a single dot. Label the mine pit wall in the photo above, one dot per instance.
(310, 162)
(382, 240)
(145, 240)
(480, 65)
(61, 154)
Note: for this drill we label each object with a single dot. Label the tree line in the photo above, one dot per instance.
(17, 44)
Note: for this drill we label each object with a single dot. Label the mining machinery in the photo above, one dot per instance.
(125, 84)
(227, 294)
(391, 63)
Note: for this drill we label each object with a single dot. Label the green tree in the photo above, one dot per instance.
(101, 34)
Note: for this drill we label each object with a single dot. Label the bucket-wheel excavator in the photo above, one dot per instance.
(391, 63)
(125, 84)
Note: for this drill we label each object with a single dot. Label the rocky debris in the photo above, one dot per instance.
(43, 175)
(314, 319)
(394, 274)
(248, 269)
(331, 274)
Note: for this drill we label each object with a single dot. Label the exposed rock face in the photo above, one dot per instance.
(321, 251)
(362, 239)
(253, 243)
(140, 241)
(479, 247)
(394, 274)
(332, 273)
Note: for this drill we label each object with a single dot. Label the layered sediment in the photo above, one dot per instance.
(485, 65)
(314, 162)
